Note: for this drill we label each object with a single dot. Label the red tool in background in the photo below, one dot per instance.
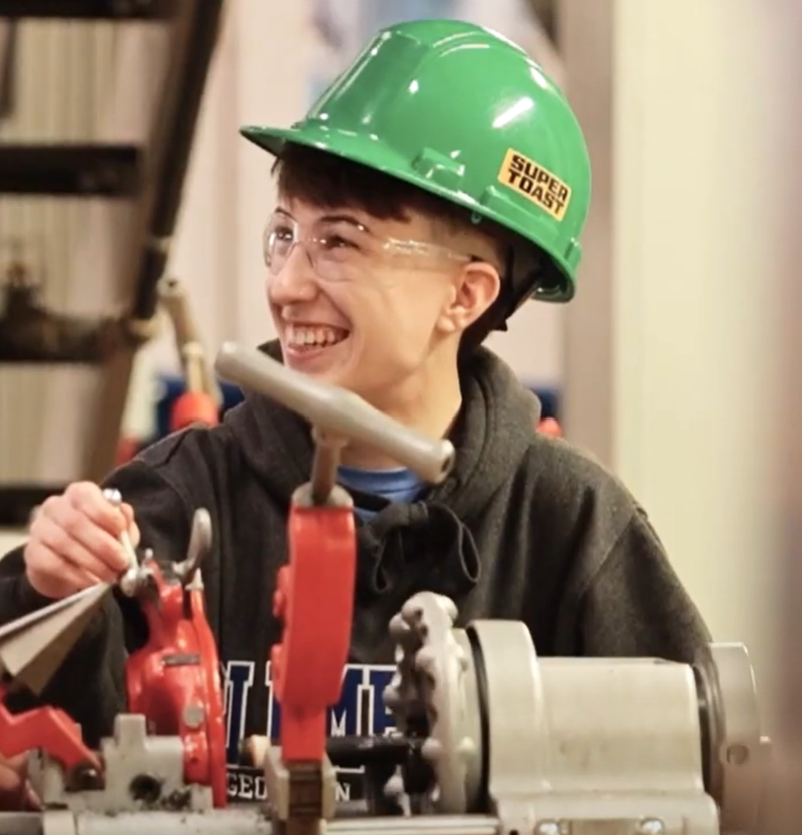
(549, 426)
(200, 402)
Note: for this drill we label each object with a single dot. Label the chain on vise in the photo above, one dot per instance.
(489, 739)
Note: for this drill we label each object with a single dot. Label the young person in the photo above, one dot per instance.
(440, 183)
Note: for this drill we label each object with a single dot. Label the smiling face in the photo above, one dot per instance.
(352, 305)
(372, 283)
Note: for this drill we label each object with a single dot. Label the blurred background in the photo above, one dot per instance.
(678, 365)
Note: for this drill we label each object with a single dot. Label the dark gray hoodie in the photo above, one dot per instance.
(526, 527)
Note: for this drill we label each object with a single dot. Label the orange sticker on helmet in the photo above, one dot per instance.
(534, 182)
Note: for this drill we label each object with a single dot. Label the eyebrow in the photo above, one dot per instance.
(331, 218)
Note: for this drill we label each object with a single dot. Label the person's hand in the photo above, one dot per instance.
(15, 791)
(74, 541)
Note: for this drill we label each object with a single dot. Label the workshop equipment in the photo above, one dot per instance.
(32, 333)
(173, 686)
(490, 739)
(201, 400)
(134, 173)
(31, 650)
(315, 592)
(174, 680)
(200, 403)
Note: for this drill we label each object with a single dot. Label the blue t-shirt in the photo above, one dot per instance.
(397, 485)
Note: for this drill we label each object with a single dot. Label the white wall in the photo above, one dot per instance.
(679, 353)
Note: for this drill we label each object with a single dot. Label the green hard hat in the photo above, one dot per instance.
(458, 110)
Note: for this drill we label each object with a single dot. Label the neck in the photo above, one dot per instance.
(431, 412)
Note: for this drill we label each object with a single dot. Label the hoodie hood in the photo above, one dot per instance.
(491, 437)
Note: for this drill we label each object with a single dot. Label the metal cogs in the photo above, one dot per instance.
(429, 696)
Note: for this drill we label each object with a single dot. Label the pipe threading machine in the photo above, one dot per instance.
(489, 739)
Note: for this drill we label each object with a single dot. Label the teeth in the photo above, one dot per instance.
(300, 336)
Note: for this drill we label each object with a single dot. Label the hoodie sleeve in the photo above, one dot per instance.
(636, 606)
(90, 684)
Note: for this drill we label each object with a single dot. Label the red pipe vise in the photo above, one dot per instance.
(314, 600)
(174, 680)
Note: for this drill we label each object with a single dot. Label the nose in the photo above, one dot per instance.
(295, 281)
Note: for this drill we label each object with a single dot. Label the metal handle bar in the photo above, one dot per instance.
(334, 410)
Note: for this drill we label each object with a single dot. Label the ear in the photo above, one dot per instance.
(475, 288)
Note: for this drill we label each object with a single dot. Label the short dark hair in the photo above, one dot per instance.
(326, 180)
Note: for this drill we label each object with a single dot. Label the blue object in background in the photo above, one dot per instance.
(549, 401)
(172, 387)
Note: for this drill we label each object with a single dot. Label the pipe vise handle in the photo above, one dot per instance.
(332, 409)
